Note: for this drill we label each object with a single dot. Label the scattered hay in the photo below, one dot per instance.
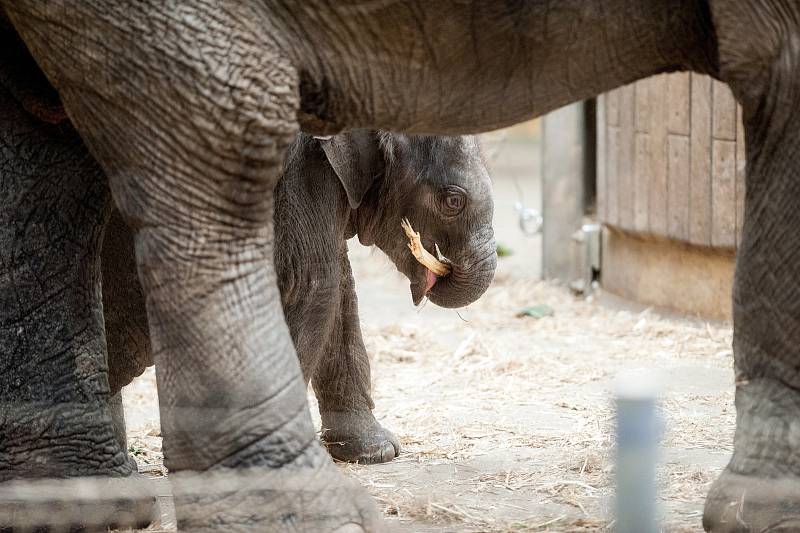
(496, 384)
(506, 423)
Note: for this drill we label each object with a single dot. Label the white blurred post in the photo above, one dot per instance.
(638, 429)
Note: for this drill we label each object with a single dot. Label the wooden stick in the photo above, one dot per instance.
(421, 254)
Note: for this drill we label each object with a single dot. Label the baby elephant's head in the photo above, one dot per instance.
(440, 184)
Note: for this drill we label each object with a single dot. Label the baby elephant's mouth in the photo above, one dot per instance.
(447, 284)
(431, 275)
(427, 278)
(464, 284)
(430, 280)
(425, 281)
(433, 268)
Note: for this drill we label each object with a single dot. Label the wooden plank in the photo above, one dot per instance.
(741, 160)
(626, 179)
(678, 103)
(700, 171)
(678, 186)
(612, 107)
(641, 190)
(612, 174)
(642, 89)
(642, 163)
(662, 273)
(658, 155)
(602, 150)
(723, 190)
(724, 112)
(563, 178)
(641, 170)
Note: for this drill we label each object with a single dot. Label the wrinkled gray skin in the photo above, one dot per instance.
(358, 183)
(189, 109)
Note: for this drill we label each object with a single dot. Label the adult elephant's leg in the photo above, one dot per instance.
(118, 423)
(760, 488)
(190, 112)
(124, 309)
(342, 384)
(55, 417)
(125, 317)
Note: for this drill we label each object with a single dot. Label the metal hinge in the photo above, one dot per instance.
(586, 262)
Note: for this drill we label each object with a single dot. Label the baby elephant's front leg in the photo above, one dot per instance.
(342, 385)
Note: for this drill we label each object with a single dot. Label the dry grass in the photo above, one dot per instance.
(498, 388)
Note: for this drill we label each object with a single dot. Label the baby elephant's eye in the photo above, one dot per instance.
(453, 200)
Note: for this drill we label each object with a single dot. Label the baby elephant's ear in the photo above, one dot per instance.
(357, 160)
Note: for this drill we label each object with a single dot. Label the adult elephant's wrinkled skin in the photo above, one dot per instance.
(188, 108)
(360, 183)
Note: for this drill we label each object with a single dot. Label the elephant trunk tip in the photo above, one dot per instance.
(464, 285)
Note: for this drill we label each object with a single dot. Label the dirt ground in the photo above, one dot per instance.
(506, 422)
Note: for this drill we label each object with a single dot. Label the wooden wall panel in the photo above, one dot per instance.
(740, 173)
(724, 112)
(601, 162)
(625, 180)
(723, 193)
(658, 153)
(678, 186)
(612, 173)
(642, 106)
(641, 175)
(672, 154)
(612, 107)
(678, 103)
(700, 165)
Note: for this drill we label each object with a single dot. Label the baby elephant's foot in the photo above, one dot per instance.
(356, 437)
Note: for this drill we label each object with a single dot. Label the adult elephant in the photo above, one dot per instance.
(188, 107)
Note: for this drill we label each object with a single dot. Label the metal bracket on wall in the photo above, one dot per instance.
(586, 262)
(530, 220)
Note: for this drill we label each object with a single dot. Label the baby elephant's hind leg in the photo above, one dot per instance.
(342, 384)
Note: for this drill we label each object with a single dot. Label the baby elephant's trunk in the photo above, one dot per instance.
(469, 278)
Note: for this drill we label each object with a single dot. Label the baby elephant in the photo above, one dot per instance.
(364, 183)
(358, 183)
